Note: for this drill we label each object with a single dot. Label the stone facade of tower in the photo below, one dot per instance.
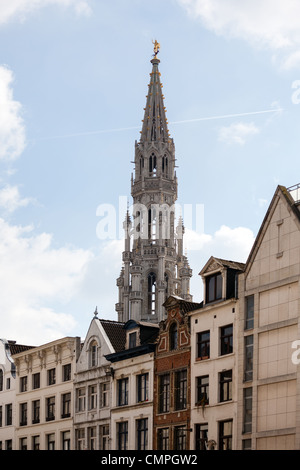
(154, 265)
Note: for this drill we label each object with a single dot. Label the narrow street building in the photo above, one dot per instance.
(269, 326)
(214, 350)
(44, 395)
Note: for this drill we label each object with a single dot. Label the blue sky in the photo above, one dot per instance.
(73, 81)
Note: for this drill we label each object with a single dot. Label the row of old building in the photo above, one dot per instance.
(219, 374)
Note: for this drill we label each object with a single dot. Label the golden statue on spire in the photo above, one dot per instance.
(156, 48)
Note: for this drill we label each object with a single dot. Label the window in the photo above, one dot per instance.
(92, 396)
(201, 436)
(66, 440)
(151, 293)
(66, 405)
(35, 411)
(203, 345)
(35, 442)
(1, 380)
(8, 444)
(173, 336)
(104, 437)
(214, 287)
(225, 379)
(23, 384)
(51, 441)
(123, 392)
(23, 414)
(80, 439)
(202, 390)
(104, 394)
(50, 409)
(23, 443)
(164, 393)
(81, 399)
(122, 435)
(92, 438)
(165, 166)
(8, 383)
(225, 435)
(246, 444)
(66, 372)
(1, 416)
(142, 387)
(93, 354)
(248, 358)
(163, 439)
(180, 437)
(226, 340)
(132, 340)
(8, 414)
(51, 376)
(247, 410)
(181, 390)
(36, 381)
(249, 312)
(142, 434)
(152, 165)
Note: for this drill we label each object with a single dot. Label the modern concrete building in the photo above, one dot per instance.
(44, 395)
(132, 372)
(269, 331)
(214, 349)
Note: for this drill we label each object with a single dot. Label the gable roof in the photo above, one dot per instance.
(281, 193)
(17, 348)
(115, 332)
(223, 263)
(185, 305)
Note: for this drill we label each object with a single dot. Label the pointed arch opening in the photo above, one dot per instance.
(151, 293)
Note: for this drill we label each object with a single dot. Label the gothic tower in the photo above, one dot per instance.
(154, 265)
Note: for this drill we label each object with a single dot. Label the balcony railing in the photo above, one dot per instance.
(295, 192)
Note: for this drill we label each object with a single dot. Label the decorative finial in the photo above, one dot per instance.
(96, 312)
(156, 48)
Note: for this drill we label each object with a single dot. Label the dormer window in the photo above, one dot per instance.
(214, 287)
(132, 340)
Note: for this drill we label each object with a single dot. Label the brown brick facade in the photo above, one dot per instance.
(172, 391)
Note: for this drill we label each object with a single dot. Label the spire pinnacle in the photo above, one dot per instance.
(155, 124)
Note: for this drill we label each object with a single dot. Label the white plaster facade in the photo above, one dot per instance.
(92, 387)
(7, 397)
(44, 395)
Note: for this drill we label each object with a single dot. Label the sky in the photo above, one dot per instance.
(74, 76)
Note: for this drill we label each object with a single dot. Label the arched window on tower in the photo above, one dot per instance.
(141, 165)
(173, 332)
(152, 165)
(166, 286)
(151, 293)
(165, 166)
(152, 224)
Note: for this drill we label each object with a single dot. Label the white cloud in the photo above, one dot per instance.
(10, 199)
(20, 9)
(272, 24)
(33, 276)
(237, 133)
(12, 130)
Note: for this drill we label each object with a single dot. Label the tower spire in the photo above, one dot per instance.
(154, 265)
(155, 124)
